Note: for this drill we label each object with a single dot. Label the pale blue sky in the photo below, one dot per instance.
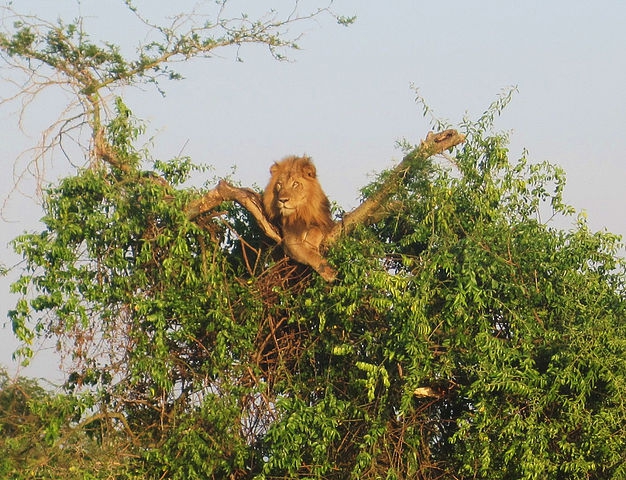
(345, 98)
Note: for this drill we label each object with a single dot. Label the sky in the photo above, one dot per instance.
(345, 99)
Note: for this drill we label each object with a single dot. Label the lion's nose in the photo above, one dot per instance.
(283, 200)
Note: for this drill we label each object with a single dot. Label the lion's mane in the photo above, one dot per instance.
(312, 207)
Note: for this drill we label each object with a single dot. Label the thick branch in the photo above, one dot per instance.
(103, 150)
(434, 144)
(248, 199)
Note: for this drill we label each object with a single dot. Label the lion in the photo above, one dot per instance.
(295, 202)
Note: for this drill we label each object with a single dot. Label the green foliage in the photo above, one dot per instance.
(466, 337)
(41, 437)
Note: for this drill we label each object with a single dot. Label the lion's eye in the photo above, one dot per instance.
(295, 184)
(279, 185)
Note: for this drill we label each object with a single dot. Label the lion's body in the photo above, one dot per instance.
(295, 202)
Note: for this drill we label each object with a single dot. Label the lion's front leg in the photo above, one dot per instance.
(304, 253)
(305, 249)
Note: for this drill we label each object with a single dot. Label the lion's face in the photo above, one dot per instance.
(293, 194)
(290, 192)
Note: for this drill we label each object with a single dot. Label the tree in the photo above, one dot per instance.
(465, 337)
(42, 435)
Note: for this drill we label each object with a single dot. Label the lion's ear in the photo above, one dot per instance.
(308, 169)
(274, 168)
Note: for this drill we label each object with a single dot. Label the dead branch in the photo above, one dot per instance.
(102, 149)
(425, 392)
(247, 198)
(434, 144)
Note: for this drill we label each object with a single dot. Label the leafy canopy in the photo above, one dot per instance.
(465, 338)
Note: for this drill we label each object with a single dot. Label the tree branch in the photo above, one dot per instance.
(434, 144)
(63, 54)
(247, 198)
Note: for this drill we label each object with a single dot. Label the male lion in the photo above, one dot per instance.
(295, 202)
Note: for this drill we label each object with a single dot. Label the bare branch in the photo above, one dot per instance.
(247, 198)
(435, 143)
(63, 55)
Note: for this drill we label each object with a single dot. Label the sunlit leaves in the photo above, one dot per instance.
(466, 335)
